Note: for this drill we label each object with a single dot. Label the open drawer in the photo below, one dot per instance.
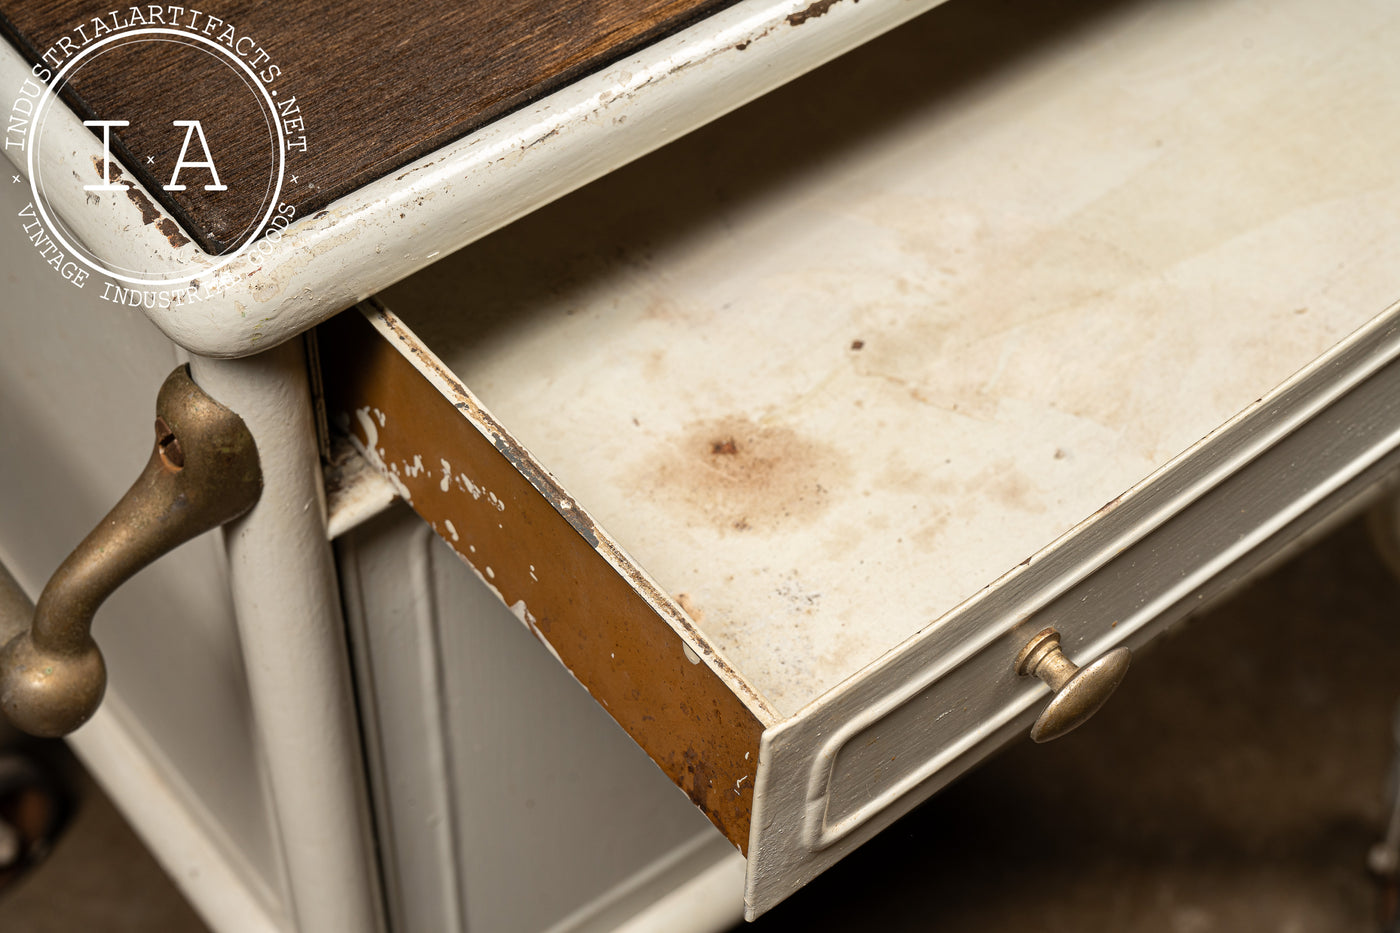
(787, 438)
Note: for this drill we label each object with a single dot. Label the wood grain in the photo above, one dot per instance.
(378, 85)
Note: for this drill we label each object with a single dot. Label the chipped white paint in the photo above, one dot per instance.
(452, 529)
(370, 450)
(446, 482)
(465, 484)
(394, 226)
(690, 655)
(356, 491)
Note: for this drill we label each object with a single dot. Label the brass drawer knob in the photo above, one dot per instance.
(1079, 691)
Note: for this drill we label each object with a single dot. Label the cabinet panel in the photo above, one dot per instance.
(507, 800)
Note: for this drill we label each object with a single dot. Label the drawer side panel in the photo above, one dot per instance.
(578, 594)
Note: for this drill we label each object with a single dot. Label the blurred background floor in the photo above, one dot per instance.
(1233, 784)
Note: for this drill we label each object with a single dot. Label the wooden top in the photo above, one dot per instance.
(377, 85)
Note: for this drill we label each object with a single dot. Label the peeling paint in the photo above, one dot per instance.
(812, 12)
(375, 454)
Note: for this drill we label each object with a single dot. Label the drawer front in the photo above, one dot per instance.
(860, 757)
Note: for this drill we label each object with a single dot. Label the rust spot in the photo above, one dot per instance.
(687, 603)
(171, 231)
(115, 170)
(1109, 506)
(743, 45)
(811, 12)
(701, 783)
(725, 448)
(737, 474)
(150, 215)
(857, 344)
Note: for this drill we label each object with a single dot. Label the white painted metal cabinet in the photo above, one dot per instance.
(785, 439)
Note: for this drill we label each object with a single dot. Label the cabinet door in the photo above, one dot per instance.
(506, 800)
(790, 437)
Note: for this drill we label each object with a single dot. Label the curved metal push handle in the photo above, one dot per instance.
(202, 473)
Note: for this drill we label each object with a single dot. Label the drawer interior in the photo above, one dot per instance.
(831, 365)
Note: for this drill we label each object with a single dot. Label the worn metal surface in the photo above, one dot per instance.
(485, 495)
(203, 471)
(293, 644)
(392, 227)
(1079, 691)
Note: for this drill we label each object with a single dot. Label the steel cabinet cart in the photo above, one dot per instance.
(791, 442)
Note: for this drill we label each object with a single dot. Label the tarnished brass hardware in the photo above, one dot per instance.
(15, 608)
(203, 472)
(1079, 692)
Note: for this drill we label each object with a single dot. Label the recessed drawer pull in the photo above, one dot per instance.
(202, 473)
(1079, 691)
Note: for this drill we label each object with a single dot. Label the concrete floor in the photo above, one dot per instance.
(1233, 784)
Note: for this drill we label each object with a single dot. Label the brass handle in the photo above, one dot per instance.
(1079, 691)
(202, 473)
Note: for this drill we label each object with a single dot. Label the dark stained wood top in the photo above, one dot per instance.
(377, 85)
